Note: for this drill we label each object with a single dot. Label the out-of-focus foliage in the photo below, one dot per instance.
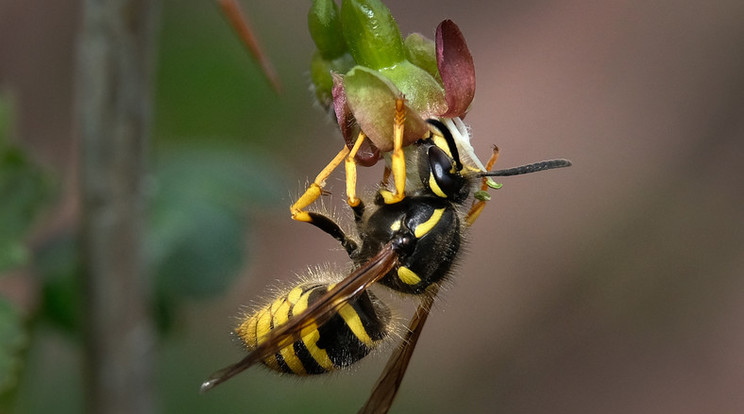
(207, 89)
(204, 178)
(197, 228)
(12, 341)
(195, 233)
(24, 189)
(57, 263)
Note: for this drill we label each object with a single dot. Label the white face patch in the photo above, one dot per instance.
(462, 139)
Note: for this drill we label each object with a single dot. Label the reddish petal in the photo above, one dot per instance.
(368, 154)
(344, 117)
(456, 68)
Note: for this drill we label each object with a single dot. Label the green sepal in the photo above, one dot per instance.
(371, 33)
(324, 23)
(421, 90)
(421, 51)
(371, 97)
(320, 74)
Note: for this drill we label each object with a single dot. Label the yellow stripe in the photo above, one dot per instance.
(311, 335)
(408, 276)
(247, 331)
(440, 142)
(434, 187)
(294, 295)
(301, 304)
(263, 326)
(429, 224)
(288, 354)
(395, 226)
(338, 301)
(355, 324)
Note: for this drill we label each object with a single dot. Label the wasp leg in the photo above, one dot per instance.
(316, 188)
(387, 385)
(331, 227)
(351, 172)
(385, 176)
(479, 205)
(398, 162)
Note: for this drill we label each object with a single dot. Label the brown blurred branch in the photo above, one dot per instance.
(113, 111)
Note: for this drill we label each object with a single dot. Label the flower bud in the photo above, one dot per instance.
(371, 33)
(325, 28)
(422, 52)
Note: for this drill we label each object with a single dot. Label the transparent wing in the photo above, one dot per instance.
(387, 385)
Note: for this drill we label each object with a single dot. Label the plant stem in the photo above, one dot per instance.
(113, 112)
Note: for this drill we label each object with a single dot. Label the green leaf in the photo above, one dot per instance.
(371, 33)
(13, 339)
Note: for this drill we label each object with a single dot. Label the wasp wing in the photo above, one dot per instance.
(387, 385)
(318, 313)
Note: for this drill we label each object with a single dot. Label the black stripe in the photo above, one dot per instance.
(306, 358)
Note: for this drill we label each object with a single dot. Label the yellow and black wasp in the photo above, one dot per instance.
(409, 246)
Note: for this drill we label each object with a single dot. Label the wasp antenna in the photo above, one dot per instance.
(529, 168)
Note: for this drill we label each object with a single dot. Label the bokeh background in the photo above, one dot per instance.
(614, 286)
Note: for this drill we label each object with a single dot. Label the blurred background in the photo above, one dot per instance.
(614, 286)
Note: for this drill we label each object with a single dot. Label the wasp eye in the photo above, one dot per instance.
(444, 179)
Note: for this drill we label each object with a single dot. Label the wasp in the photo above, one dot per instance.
(409, 246)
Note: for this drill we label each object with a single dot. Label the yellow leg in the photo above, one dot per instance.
(398, 162)
(479, 205)
(351, 172)
(316, 188)
(385, 177)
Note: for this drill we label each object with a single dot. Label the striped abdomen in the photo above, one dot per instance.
(345, 339)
